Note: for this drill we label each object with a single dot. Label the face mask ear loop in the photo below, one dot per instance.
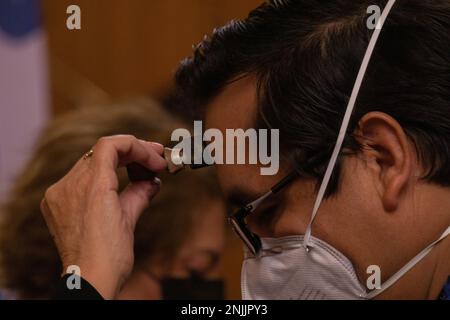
(346, 120)
(407, 267)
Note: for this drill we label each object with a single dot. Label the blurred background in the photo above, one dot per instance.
(123, 49)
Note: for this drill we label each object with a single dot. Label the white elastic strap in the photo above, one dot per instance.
(346, 120)
(407, 267)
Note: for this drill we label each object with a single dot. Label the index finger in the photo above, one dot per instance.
(114, 151)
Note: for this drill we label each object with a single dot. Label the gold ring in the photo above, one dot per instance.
(88, 154)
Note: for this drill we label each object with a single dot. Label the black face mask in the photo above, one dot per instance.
(192, 288)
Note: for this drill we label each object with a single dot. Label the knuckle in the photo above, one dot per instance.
(128, 139)
(102, 147)
(49, 198)
(43, 207)
(102, 143)
(49, 193)
(126, 136)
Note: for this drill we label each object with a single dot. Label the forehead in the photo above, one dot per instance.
(234, 107)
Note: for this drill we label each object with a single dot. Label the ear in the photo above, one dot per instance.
(385, 141)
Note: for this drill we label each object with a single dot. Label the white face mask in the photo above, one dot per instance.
(304, 267)
(285, 270)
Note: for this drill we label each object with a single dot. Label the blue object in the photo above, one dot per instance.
(18, 18)
(445, 294)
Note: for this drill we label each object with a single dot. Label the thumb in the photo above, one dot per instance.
(136, 197)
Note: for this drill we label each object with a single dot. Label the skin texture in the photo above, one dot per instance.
(383, 214)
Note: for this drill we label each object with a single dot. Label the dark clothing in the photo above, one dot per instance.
(445, 294)
(86, 291)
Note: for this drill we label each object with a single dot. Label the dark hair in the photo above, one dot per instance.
(306, 55)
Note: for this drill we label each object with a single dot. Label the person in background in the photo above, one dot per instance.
(178, 240)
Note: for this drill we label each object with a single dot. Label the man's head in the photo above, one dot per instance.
(291, 65)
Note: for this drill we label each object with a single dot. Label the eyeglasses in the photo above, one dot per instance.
(137, 172)
(238, 222)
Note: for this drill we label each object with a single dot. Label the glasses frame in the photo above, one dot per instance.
(237, 220)
(239, 224)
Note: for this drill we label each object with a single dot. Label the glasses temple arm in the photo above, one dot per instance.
(280, 185)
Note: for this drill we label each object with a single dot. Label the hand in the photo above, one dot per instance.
(90, 222)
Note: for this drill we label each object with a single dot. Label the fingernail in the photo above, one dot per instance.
(156, 182)
(156, 144)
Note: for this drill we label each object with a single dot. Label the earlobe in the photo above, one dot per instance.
(391, 148)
